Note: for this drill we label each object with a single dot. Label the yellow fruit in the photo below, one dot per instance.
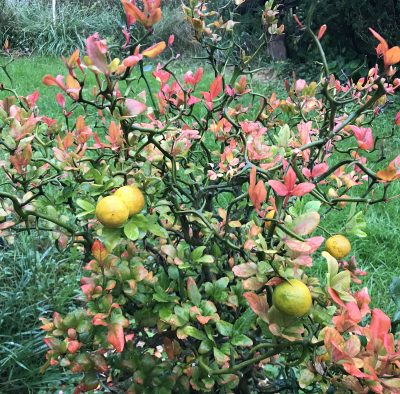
(269, 215)
(132, 197)
(292, 298)
(112, 212)
(338, 246)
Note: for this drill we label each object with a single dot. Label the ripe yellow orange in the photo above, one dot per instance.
(338, 246)
(112, 212)
(269, 215)
(132, 197)
(293, 298)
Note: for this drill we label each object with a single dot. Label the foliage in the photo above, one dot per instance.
(179, 297)
(347, 35)
(30, 26)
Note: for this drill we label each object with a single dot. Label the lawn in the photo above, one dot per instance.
(35, 279)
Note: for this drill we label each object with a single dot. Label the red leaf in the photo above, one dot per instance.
(315, 242)
(275, 281)
(365, 139)
(290, 179)
(73, 346)
(6, 225)
(60, 100)
(116, 337)
(321, 32)
(335, 297)
(354, 371)
(302, 188)
(131, 61)
(397, 119)
(279, 188)
(298, 246)
(257, 192)
(319, 169)
(49, 80)
(216, 87)
(380, 324)
(33, 98)
(198, 75)
(171, 40)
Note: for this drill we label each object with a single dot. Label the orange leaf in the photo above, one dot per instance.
(388, 174)
(116, 337)
(73, 59)
(154, 50)
(383, 46)
(392, 56)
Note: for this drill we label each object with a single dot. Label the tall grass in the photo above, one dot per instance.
(30, 26)
(35, 280)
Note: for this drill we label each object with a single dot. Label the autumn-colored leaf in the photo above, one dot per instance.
(135, 107)
(257, 192)
(245, 270)
(258, 304)
(116, 337)
(99, 251)
(380, 324)
(154, 50)
(306, 223)
(96, 50)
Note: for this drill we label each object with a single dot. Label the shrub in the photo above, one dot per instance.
(197, 291)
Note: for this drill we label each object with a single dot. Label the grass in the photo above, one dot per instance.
(37, 280)
(34, 282)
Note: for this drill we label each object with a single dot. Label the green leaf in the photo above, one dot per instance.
(312, 206)
(356, 225)
(244, 323)
(241, 340)
(222, 283)
(197, 253)
(140, 221)
(220, 357)
(194, 333)
(157, 230)
(283, 136)
(205, 347)
(85, 205)
(206, 259)
(224, 328)
(193, 291)
(131, 231)
(173, 272)
(111, 237)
